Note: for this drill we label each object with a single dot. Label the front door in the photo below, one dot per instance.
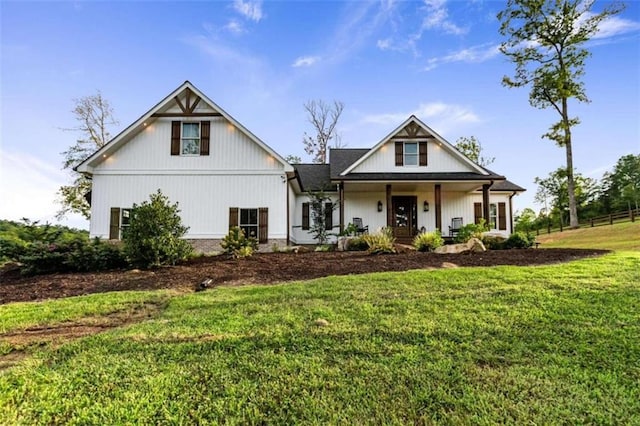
(405, 216)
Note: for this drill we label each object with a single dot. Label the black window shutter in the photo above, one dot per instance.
(502, 216)
(477, 212)
(233, 217)
(399, 154)
(423, 153)
(328, 216)
(175, 138)
(263, 225)
(205, 131)
(305, 216)
(114, 224)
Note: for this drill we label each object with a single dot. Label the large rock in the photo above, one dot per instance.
(474, 245)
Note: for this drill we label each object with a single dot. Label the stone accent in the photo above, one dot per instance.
(213, 245)
(474, 245)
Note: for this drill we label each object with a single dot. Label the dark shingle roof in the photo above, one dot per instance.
(341, 158)
(314, 177)
(506, 185)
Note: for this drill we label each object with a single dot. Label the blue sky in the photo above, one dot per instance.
(261, 61)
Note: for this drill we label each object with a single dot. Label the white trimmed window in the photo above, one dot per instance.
(190, 139)
(249, 222)
(493, 216)
(410, 153)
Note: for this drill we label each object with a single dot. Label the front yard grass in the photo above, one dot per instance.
(534, 345)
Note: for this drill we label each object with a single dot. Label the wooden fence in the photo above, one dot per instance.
(609, 219)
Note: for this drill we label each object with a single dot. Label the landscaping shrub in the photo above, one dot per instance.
(519, 240)
(380, 242)
(493, 242)
(154, 235)
(236, 243)
(11, 247)
(428, 241)
(75, 256)
(357, 244)
(471, 230)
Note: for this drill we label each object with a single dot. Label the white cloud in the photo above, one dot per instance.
(28, 189)
(305, 61)
(614, 26)
(251, 10)
(438, 115)
(234, 27)
(474, 55)
(437, 18)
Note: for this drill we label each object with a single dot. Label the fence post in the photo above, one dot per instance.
(549, 227)
(610, 219)
(592, 222)
(633, 217)
(537, 231)
(560, 224)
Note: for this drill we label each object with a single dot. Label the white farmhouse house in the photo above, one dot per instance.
(222, 175)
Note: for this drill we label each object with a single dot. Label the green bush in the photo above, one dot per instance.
(75, 256)
(154, 235)
(493, 242)
(357, 244)
(428, 241)
(11, 247)
(236, 243)
(519, 240)
(471, 230)
(380, 242)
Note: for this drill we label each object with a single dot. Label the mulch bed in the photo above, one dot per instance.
(263, 268)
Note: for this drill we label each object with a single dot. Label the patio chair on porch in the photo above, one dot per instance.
(357, 221)
(456, 224)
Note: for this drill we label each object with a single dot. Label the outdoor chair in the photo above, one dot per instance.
(456, 224)
(357, 221)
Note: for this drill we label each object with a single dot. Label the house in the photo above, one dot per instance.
(222, 175)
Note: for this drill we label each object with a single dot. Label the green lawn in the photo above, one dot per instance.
(536, 345)
(620, 236)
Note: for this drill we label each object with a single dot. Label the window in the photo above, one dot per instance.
(493, 216)
(249, 222)
(411, 154)
(190, 140)
(120, 219)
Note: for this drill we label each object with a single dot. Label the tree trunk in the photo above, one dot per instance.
(571, 187)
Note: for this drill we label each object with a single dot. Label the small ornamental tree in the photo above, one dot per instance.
(154, 235)
(321, 209)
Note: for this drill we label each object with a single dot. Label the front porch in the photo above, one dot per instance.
(412, 207)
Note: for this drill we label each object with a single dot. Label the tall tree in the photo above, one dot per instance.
(545, 41)
(94, 116)
(324, 118)
(472, 148)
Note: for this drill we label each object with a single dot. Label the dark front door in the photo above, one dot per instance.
(405, 216)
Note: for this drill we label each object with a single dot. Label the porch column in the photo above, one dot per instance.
(389, 207)
(341, 192)
(485, 202)
(438, 200)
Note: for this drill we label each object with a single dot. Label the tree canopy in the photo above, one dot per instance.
(472, 148)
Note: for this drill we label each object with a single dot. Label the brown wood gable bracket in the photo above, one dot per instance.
(188, 108)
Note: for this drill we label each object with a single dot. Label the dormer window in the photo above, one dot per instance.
(190, 140)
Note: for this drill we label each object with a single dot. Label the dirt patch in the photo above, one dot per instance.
(264, 268)
(24, 341)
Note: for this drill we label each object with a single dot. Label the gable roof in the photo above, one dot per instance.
(160, 110)
(413, 120)
(341, 158)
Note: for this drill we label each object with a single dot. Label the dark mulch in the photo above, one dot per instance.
(264, 268)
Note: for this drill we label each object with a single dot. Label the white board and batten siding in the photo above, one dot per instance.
(439, 160)
(302, 236)
(236, 173)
